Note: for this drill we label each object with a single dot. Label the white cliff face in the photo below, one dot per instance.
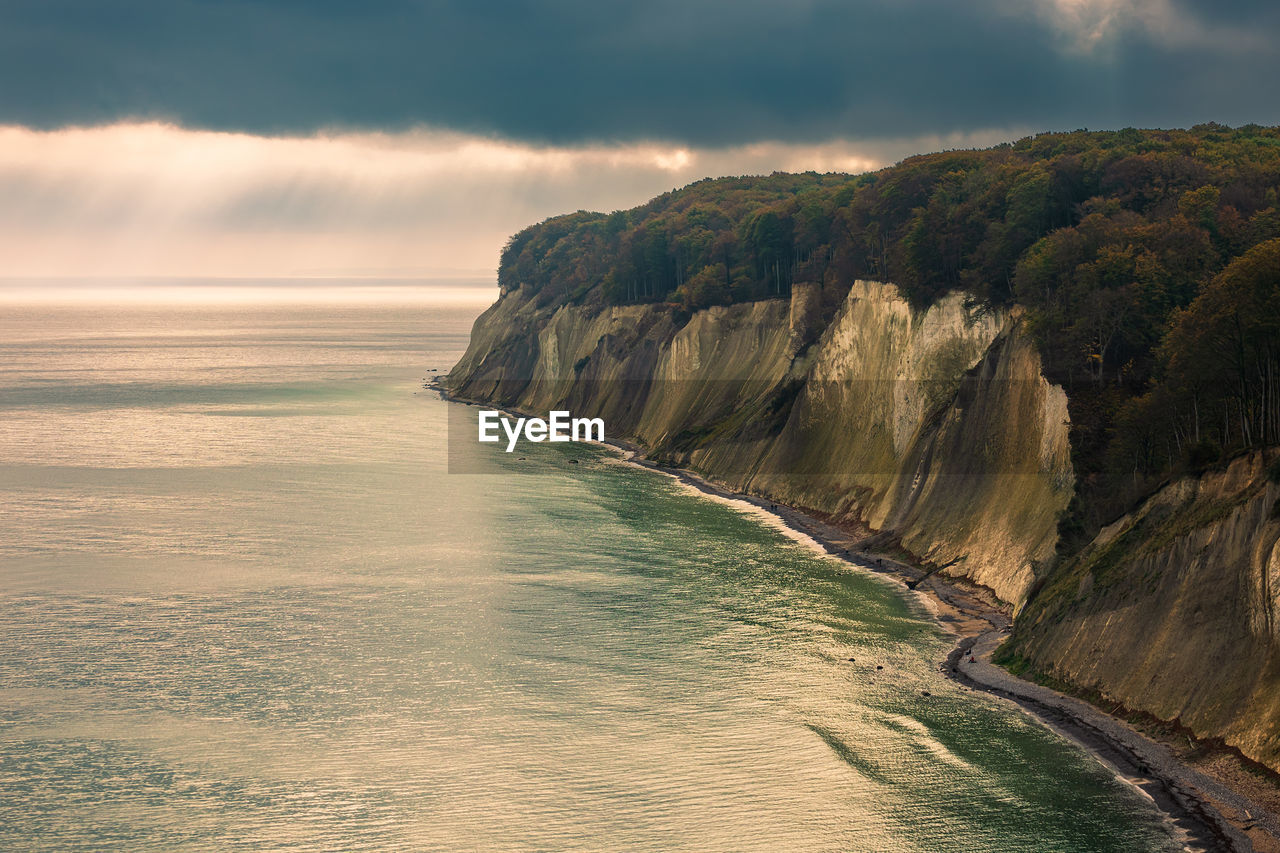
(1173, 609)
(934, 427)
(991, 479)
(906, 363)
(938, 428)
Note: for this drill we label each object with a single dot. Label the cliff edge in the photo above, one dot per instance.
(933, 428)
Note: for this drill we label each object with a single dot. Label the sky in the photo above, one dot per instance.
(167, 138)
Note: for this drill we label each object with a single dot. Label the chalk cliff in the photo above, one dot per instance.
(1175, 609)
(933, 427)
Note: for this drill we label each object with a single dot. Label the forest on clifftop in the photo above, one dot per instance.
(1148, 262)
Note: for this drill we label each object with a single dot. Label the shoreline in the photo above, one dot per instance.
(980, 626)
(1204, 813)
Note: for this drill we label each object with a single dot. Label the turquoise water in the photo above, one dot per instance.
(245, 607)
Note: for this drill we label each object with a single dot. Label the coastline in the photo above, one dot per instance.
(1205, 813)
(1190, 800)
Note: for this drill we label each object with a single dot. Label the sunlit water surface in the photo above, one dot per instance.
(246, 607)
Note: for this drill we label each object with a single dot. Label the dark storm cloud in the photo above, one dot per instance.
(710, 72)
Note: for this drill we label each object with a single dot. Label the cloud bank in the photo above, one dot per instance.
(155, 199)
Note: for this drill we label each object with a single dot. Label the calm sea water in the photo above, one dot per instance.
(243, 606)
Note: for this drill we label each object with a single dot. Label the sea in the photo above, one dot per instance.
(245, 605)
